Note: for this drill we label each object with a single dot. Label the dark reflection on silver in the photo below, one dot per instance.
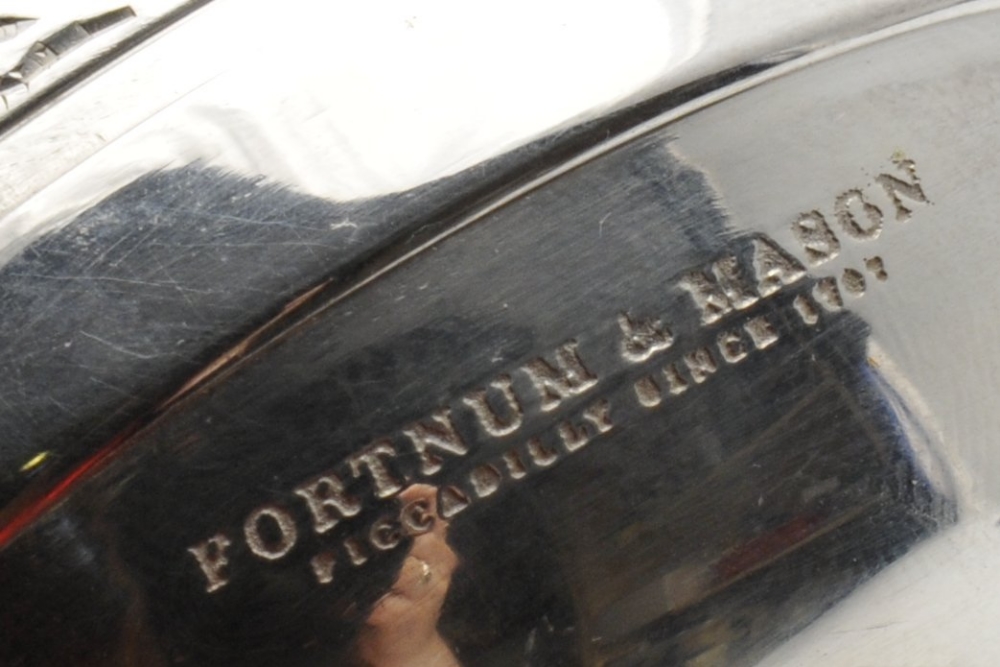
(703, 532)
(712, 393)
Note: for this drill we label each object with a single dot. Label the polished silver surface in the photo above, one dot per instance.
(54, 45)
(575, 335)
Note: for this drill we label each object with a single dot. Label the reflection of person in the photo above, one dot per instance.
(401, 630)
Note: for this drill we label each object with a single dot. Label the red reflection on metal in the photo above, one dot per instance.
(35, 507)
(760, 550)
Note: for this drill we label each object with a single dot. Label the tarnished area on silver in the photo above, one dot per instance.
(691, 365)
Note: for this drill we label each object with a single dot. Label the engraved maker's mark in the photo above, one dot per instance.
(729, 287)
(861, 220)
(550, 384)
(557, 386)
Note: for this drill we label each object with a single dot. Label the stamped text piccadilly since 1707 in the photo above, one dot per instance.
(718, 291)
